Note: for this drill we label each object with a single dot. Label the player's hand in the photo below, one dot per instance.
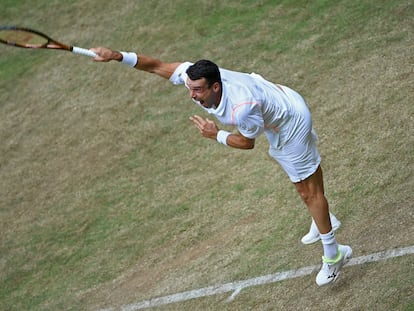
(106, 55)
(207, 128)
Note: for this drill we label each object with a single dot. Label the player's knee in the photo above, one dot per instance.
(309, 197)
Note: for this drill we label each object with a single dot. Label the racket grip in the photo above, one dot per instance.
(82, 51)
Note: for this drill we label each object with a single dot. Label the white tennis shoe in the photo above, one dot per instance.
(332, 268)
(313, 235)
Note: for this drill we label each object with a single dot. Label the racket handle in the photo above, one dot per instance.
(82, 51)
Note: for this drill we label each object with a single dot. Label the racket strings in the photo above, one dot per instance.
(23, 38)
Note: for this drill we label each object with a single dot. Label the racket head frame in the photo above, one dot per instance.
(49, 42)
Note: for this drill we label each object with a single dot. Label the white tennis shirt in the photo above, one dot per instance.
(249, 102)
(255, 106)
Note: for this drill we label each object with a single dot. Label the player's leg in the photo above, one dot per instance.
(311, 190)
(313, 235)
(297, 153)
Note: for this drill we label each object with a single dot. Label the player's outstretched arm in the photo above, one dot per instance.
(145, 63)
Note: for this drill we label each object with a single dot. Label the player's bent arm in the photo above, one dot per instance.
(209, 129)
(240, 142)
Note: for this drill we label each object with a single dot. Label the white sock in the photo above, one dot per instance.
(330, 245)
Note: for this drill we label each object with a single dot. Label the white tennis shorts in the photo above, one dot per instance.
(297, 150)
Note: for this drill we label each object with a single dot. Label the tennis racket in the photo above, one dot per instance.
(33, 39)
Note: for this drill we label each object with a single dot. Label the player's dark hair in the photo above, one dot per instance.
(204, 69)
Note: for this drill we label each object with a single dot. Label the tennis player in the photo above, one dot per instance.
(256, 106)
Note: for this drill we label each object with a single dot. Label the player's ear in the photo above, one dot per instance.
(216, 86)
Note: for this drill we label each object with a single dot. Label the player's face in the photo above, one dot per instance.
(208, 97)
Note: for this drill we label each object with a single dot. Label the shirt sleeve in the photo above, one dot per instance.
(249, 120)
(179, 76)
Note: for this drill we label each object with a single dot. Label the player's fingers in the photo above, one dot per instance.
(210, 121)
(197, 124)
(197, 120)
(98, 52)
(197, 117)
(102, 54)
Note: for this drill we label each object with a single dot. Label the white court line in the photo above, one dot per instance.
(236, 287)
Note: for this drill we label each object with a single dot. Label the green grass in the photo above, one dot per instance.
(109, 196)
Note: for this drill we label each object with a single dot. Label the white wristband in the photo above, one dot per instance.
(129, 58)
(222, 137)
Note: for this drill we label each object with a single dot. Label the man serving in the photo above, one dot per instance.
(256, 106)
